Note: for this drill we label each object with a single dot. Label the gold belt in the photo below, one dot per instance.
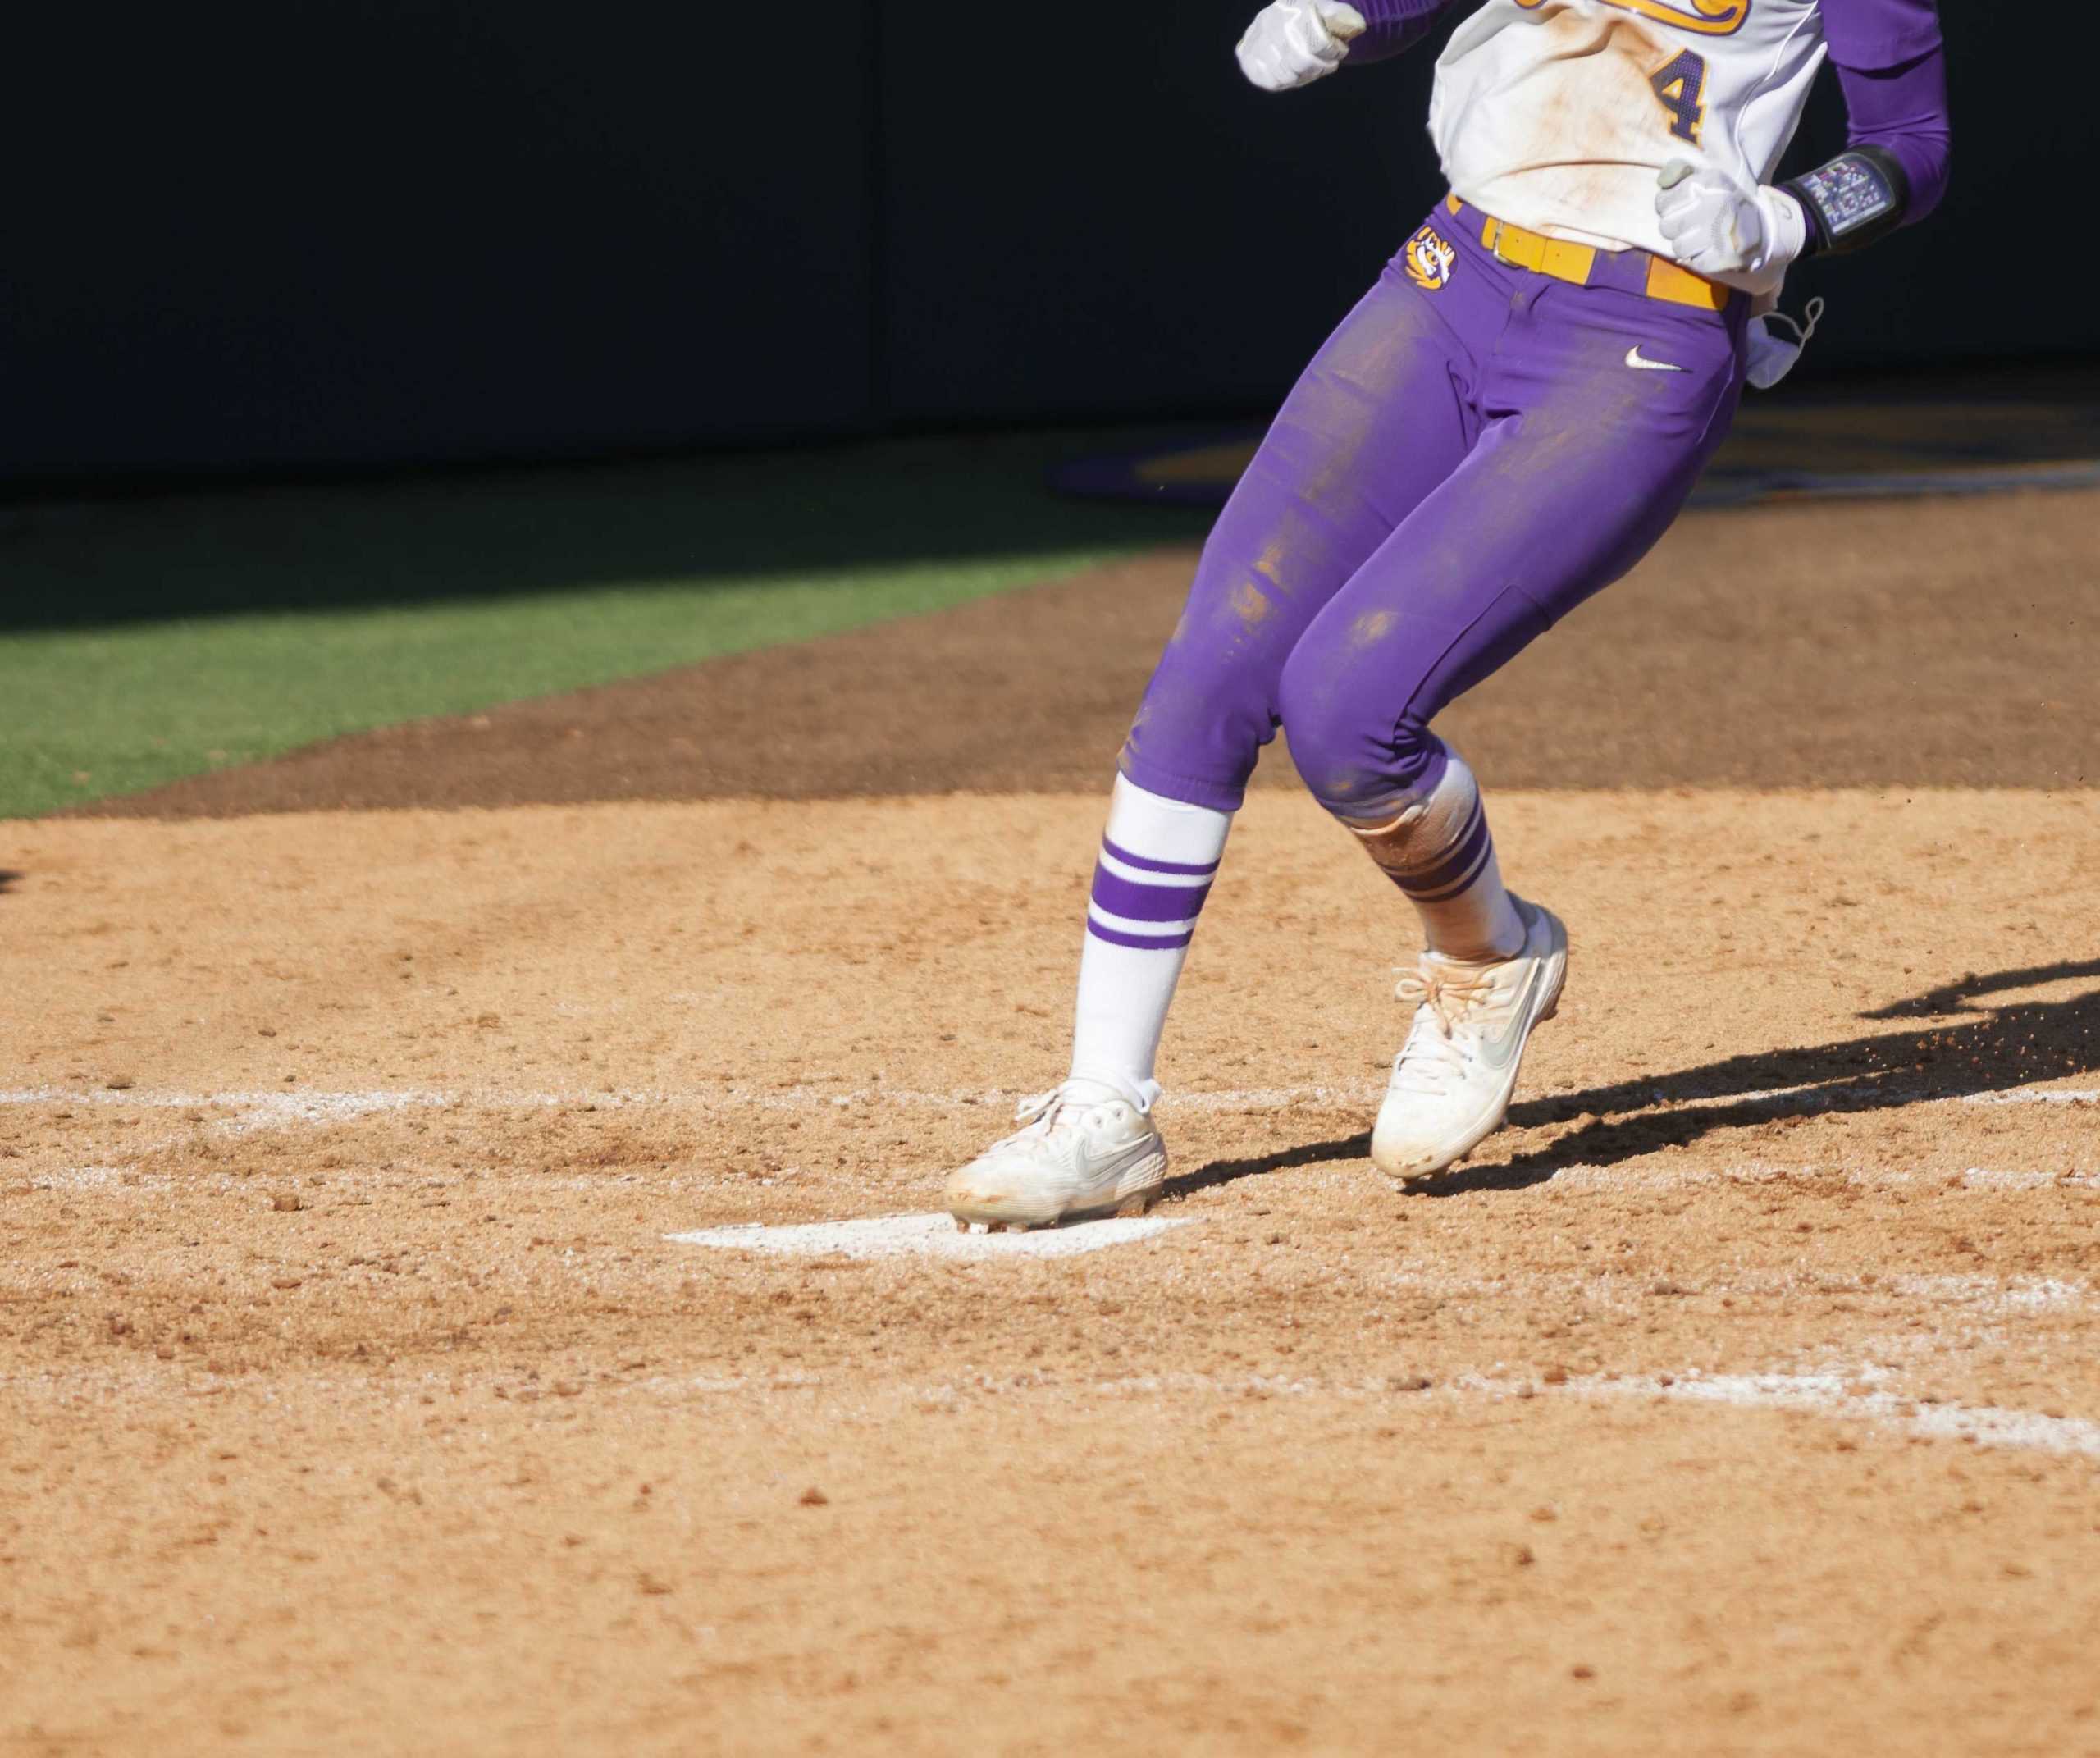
(1578, 263)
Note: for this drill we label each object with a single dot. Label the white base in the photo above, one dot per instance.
(933, 1236)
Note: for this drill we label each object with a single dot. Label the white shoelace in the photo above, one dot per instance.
(1041, 1108)
(1441, 995)
(1043, 1111)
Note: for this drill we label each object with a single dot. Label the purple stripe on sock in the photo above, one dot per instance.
(1147, 903)
(1461, 858)
(1137, 942)
(1150, 865)
(1450, 891)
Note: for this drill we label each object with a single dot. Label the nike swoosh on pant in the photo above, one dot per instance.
(1641, 363)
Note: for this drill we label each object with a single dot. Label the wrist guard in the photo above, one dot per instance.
(1858, 197)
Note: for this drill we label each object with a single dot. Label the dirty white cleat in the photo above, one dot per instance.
(1084, 1150)
(1452, 1079)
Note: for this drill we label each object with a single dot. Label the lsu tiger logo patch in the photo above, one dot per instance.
(1430, 260)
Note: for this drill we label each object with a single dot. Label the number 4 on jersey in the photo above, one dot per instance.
(1681, 90)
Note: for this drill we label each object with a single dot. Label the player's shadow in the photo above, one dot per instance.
(1968, 1050)
(8, 877)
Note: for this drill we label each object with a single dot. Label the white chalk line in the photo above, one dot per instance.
(1856, 1397)
(245, 1112)
(255, 1110)
(2015, 1294)
(925, 1235)
(276, 1108)
(1861, 1394)
(269, 1109)
(1867, 1393)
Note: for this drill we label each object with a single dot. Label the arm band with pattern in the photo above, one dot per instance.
(1859, 196)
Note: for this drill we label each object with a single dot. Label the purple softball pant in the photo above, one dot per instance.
(1475, 451)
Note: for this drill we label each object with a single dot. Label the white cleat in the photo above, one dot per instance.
(1084, 1150)
(1453, 1078)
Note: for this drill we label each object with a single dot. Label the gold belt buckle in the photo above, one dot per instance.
(1539, 254)
(1510, 246)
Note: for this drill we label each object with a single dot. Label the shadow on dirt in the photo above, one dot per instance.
(1994, 1050)
(8, 877)
(1231, 1172)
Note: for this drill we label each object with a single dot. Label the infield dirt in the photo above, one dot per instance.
(1743, 1397)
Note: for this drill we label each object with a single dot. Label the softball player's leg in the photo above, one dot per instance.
(1380, 417)
(1601, 408)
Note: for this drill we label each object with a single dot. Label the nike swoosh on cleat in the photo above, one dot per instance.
(1641, 363)
(1500, 1051)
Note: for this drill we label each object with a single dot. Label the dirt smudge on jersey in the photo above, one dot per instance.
(1590, 126)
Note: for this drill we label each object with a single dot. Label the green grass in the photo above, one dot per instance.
(144, 640)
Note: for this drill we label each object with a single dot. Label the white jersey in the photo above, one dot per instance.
(1556, 114)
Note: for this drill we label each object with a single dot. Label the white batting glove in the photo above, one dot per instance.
(1294, 41)
(1728, 229)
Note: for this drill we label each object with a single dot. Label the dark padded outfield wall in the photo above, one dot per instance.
(400, 230)
(381, 229)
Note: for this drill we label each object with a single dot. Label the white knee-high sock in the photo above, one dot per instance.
(1157, 859)
(1438, 850)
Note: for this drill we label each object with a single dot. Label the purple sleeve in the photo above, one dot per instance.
(1392, 26)
(1903, 110)
(1866, 35)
